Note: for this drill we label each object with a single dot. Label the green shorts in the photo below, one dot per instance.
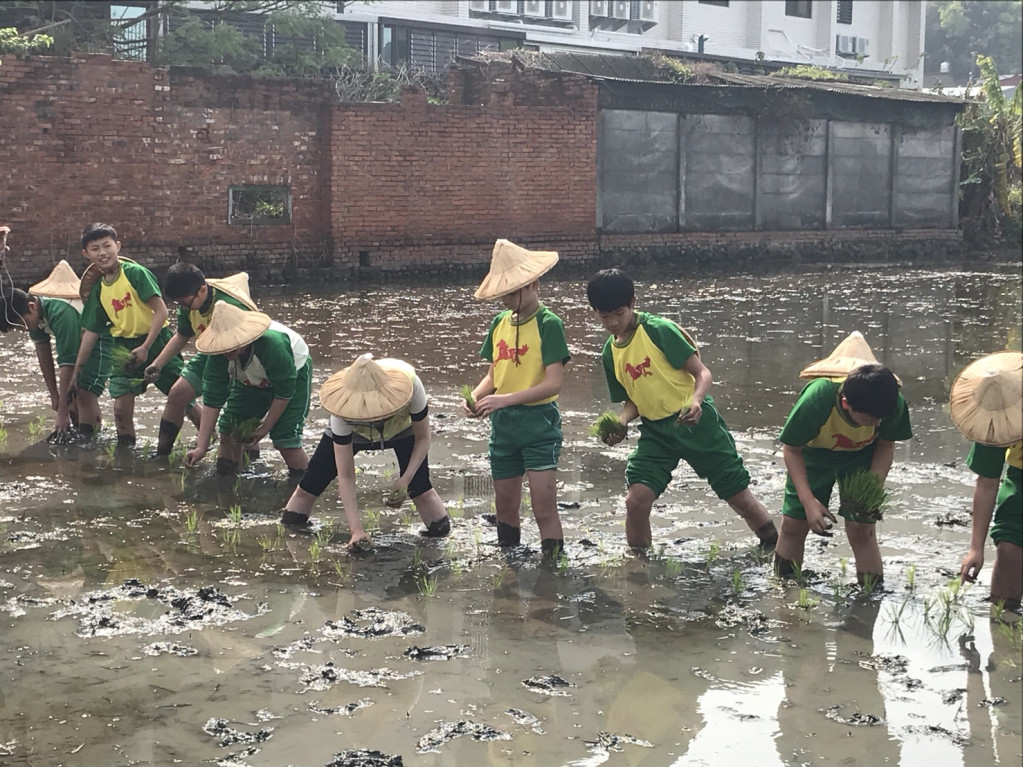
(524, 438)
(194, 369)
(247, 402)
(120, 384)
(822, 474)
(96, 370)
(1007, 526)
(707, 447)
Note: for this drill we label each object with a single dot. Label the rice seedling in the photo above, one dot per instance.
(342, 569)
(499, 577)
(427, 585)
(111, 450)
(911, 577)
(231, 537)
(395, 498)
(372, 519)
(36, 427)
(467, 396)
(457, 509)
(870, 583)
(713, 552)
(862, 496)
(417, 559)
(1013, 632)
(607, 423)
(266, 543)
(738, 584)
(123, 364)
(805, 601)
(192, 521)
(315, 550)
(235, 514)
(672, 568)
(177, 453)
(3, 433)
(684, 407)
(243, 430)
(562, 563)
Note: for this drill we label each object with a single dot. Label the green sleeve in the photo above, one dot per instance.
(215, 381)
(273, 349)
(810, 412)
(987, 461)
(614, 386)
(897, 427)
(669, 339)
(184, 324)
(65, 324)
(93, 316)
(487, 352)
(553, 345)
(142, 280)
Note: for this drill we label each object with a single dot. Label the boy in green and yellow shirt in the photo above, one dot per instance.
(653, 368)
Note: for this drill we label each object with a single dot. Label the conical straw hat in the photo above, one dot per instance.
(62, 283)
(231, 328)
(513, 267)
(236, 286)
(853, 352)
(91, 276)
(986, 402)
(368, 389)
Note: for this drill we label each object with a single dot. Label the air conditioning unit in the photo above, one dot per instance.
(601, 8)
(620, 9)
(561, 10)
(479, 5)
(861, 46)
(844, 45)
(535, 8)
(648, 10)
(506, 6)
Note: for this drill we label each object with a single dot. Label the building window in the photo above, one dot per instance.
(799, 8)
(722, 3)
(844, 11)
(265, 205)
(394, 45)
(129, 38)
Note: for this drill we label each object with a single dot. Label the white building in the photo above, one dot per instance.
(871, 38)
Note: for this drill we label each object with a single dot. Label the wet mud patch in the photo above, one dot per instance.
(373, 623)
(607, 742)
(734, 615)
(448, 731)
(29, 539)
(104, 613)
(169, 648)
(16, 606)
(363, 758)
(226, 735)
(326, 675)
(447, 652)
(856, 719)
(550, 684)
(525, 719)
(346, 710)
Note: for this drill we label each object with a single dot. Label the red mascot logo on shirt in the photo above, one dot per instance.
(635, 371)
(842, 442)
(505, 352)
(122, 304)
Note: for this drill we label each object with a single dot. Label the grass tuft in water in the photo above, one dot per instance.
(862, 496)
(428, 585)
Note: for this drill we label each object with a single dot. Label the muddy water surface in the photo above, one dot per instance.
(156, 616)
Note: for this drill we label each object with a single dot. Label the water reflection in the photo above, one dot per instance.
(697, 651)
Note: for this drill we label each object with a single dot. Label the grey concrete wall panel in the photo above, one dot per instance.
(860, 159)
(792, 184)
(638, 171)
(718, 174)
(924, 186)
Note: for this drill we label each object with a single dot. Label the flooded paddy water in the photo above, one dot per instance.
(152, 615)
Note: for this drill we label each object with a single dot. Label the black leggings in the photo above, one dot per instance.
(322, 469)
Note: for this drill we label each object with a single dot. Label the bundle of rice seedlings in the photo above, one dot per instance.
(862, 496)
(123, 363)
(242, 431)
(687, 402)
(470, 401)
(607, 423)
(395, 498)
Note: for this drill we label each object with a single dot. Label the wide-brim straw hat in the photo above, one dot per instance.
(62, 283)
(513, 267)
(851, 353)
(368, 389)
(986, 402)
(236, 286)
(231, 328)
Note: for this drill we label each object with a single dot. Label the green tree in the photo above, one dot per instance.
(957, 31)
(13, 41)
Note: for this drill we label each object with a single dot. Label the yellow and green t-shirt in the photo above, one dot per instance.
(521, 349)
(192, 322)
(646, 368)
(121, 305)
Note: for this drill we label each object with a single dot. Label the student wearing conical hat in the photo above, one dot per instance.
(258, 370)
(195, 295)
(373, 405)
(527, 352)
(986, 404)
(846, 420)
(123, 298)
(49, 314)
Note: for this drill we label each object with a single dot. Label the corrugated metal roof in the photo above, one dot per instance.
(642, 69)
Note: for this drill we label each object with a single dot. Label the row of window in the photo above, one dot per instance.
(802, 9)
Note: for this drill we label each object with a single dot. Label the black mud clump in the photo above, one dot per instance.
(363, 758)
(346, 710)
(609, 741)
(856, 719)
(169, 648)
(447, 652)
(450, 730)
(373, 623)
(551, 684)
(326, 675)
(525, 719)
(952, 519)
(227, 735)
(733, 615)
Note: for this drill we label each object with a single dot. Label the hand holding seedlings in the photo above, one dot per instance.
(819, 518)
(609, 429)
(397, 496)
(468, 401)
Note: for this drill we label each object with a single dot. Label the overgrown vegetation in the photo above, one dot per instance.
(991, 204)
(13, 41)
(810, 72)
